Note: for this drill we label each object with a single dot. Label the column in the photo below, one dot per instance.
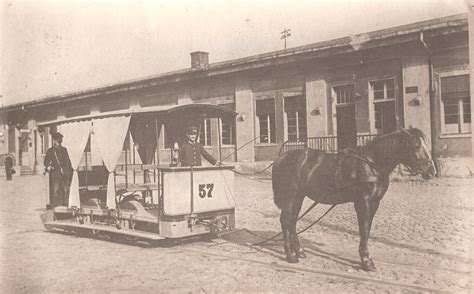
(316, 106)
(245, 124)
(415, 73)
(32, 148)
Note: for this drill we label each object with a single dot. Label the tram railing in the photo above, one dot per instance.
(329, 144)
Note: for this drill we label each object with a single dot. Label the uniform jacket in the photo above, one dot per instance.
(64, 164)
(190, 154)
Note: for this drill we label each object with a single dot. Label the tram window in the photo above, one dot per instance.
(88, 145)
(167, 139)
(126, 143)
(205, 132)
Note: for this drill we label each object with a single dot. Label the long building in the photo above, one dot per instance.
(330, 95)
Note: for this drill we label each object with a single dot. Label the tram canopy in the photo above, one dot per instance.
(166, 114)
(179, 118)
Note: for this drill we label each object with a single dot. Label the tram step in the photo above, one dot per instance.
(70, 225)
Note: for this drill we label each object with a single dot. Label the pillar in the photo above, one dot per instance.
(316, 106)
(415, 73)
(245, 124)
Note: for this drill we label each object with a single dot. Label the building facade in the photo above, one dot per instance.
(339, 90)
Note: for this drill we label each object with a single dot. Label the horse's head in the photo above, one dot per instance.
(416, 156)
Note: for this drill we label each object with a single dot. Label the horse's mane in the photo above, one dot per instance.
(386, 137)
(390, 144)
(383, 145)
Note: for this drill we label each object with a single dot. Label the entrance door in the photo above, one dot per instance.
(23, 156)
(346, 126)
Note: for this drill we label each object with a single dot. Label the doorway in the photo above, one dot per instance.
(346, 126)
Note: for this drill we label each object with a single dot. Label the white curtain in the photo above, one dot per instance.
(109, 134)
(75, 139)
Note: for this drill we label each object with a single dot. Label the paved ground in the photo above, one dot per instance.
(421, 241)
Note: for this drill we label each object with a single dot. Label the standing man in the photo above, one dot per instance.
(58, 165)
(190, 151)
(9, 167)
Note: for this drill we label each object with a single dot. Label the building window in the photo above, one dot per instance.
(227, 126)
(383, 94)
(42, 142)
(456, 100)
(265, 111)
(295, 110)
(344, 94)
(384, 90)
(205, 132)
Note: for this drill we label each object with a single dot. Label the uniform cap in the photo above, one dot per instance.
(57, 135)
(191, 130)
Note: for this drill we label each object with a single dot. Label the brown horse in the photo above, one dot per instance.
(360, 176)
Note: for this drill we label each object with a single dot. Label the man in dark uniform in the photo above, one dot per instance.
(9, 167)
(58, 165)
(190, 151)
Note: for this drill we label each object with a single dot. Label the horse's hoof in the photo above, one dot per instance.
(368, 265)
(301, 254)
(292, 259)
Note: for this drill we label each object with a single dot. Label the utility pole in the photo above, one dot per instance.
(285, 34)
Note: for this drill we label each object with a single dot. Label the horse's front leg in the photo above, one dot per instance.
(365, 209)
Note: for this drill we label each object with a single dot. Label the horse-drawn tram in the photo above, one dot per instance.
(119, 187)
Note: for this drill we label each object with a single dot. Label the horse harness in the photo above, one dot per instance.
(349, 170)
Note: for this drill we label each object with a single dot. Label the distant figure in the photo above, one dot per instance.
(8, 161)
(58, 165)
(190, 151)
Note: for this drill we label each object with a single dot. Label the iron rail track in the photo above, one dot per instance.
(355, 278)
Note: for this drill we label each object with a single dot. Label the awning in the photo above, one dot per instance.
(148, 111)
(164, 113)
(179, 118)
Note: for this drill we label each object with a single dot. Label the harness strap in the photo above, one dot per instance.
(367, 160)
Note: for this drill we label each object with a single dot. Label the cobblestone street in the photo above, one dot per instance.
(421, 241)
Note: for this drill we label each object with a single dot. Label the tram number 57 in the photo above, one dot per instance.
(205, 190)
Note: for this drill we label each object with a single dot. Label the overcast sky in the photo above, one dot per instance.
(55, 47)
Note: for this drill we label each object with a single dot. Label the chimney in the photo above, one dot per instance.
(199, 60)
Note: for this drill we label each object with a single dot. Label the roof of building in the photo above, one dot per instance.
(347, 44)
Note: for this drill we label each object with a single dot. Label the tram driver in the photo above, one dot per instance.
(58, 164)
(191, 150)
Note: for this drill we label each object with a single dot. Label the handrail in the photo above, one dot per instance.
(329, 144)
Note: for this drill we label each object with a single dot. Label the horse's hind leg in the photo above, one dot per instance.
(286, 221)
(365, 214)
(295, 243)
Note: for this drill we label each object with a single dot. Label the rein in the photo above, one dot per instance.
(300, 217)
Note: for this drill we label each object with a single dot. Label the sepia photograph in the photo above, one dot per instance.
(266, 146)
